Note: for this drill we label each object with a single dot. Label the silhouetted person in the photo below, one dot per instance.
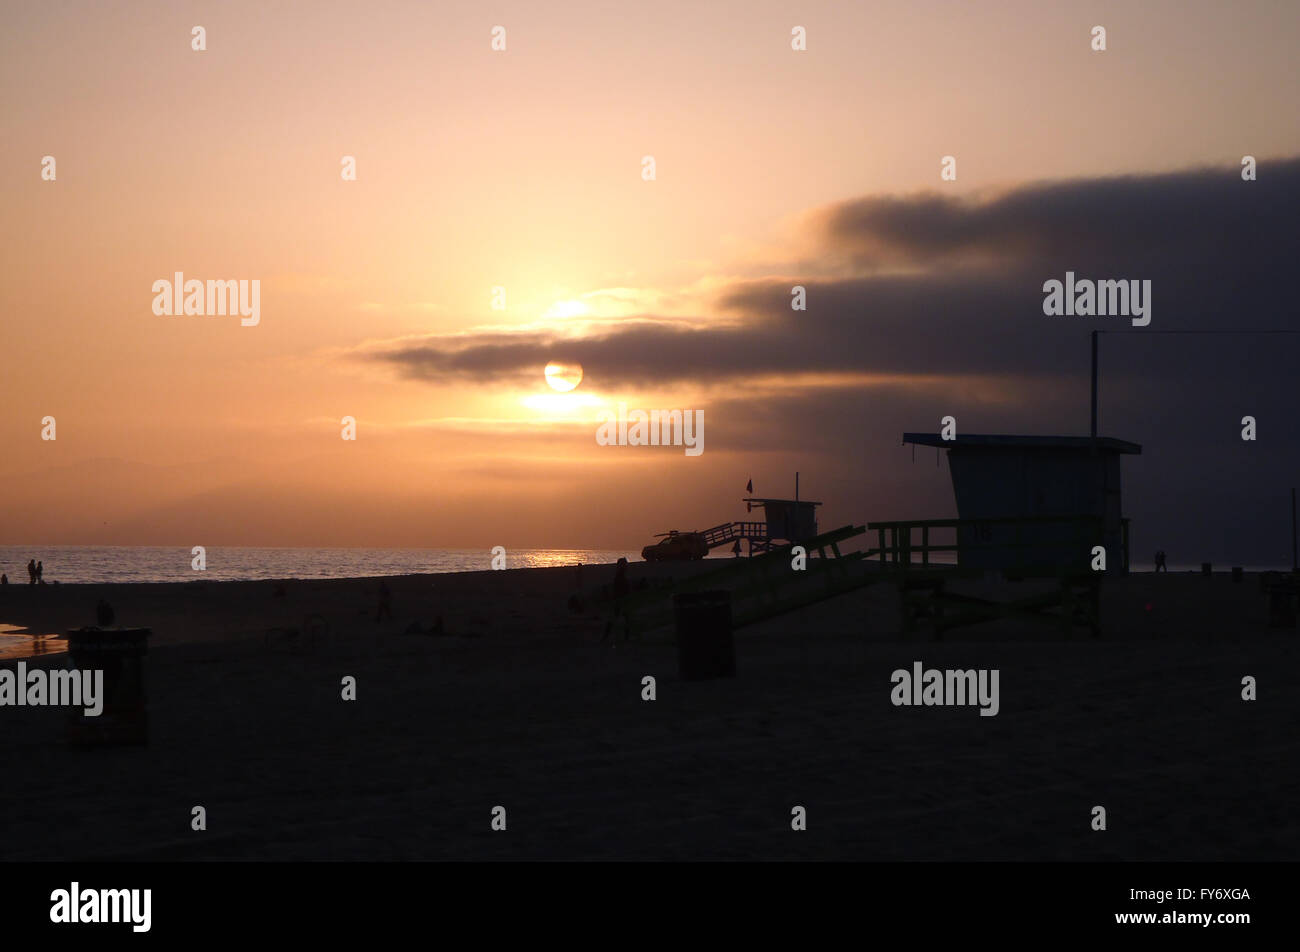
(385, 599)
(4, 579)
(1160, 561)
(735, 550)
(104, 614)
(40, 570)
(621, 588)
(31, 571)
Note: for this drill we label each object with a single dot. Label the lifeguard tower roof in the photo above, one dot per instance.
(1104, 443)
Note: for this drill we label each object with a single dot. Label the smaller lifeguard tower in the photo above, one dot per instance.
(785, 522)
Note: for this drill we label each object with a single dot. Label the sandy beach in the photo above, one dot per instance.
(518, 704)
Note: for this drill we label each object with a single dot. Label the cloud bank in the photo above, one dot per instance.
(940, 285)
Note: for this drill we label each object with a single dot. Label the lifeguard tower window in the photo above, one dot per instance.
(1036, 477)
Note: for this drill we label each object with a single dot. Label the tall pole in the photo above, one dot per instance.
(1295, 565)
(794, 526)
(1094, 384)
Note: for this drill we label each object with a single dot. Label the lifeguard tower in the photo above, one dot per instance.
(765, 585)
(1029, 507)
(785, 522)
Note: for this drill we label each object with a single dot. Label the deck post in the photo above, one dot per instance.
(1295, 565)
(1094, 384)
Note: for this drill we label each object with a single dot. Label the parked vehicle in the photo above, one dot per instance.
(677, 547)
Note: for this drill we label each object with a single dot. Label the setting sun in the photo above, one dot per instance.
(563, 377)
(566, 309)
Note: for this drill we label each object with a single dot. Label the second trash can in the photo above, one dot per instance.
(119, 654)
(705, 647)
(1281, 605)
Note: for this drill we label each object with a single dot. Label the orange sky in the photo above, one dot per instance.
(519, 169)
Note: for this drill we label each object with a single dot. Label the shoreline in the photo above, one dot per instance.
(1167, 605)
(204, 611)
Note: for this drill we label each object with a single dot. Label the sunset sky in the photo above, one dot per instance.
(522, 169)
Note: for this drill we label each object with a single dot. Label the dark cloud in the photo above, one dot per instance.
(641, 350)
(1125, 223)
(1217, 250)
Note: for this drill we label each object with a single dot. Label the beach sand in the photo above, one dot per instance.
(521, 706)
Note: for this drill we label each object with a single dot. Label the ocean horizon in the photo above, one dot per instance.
(98, 564)
(101, 564)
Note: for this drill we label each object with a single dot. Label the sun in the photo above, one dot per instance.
(563, 377)
(563, 309)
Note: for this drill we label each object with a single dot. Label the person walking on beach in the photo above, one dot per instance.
(621, 588)
(40, 570)
(1160, 561)
(31, 571)
(385, 606)
(4, 579)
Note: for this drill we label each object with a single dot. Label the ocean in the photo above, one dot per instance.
(68, 564)
(102, 563)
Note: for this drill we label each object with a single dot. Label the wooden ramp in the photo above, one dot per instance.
(730, 532)
(762, 586)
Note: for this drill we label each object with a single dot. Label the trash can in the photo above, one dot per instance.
(705, 647)
(1281, 605)
(119, 653)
